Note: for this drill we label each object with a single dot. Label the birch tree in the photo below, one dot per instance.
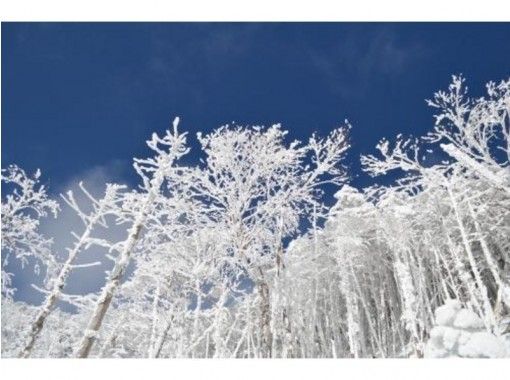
(152, 172)
(101, 209)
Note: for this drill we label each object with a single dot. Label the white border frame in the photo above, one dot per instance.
(255, 10)
(260, 10)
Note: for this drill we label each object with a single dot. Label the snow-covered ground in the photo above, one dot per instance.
(459, 332)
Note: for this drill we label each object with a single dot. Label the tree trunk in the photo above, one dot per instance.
(488, 317)
(52, 297)
(265, 318)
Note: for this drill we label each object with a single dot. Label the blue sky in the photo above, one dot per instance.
(77, 96)
(80, 99)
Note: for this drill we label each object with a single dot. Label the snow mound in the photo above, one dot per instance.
(460, 332)
(483, 345)
(445, 315)
(466, 319)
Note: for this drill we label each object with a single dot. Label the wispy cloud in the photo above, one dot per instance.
(354, 63)
(200, 56)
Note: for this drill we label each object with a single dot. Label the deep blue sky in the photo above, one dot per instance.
(81, 95)
(79, 100)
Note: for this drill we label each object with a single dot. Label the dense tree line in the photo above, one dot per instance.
(238, 256)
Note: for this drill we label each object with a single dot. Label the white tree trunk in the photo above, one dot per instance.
(489, 318)
(108, 291)
(504, 288)
(155, 321)
(53, 296)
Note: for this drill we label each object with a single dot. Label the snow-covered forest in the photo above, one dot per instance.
(240, 256)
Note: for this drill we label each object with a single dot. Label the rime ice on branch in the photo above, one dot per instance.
(101, 209)
(153, 172)
(238, 256)
(21, 211)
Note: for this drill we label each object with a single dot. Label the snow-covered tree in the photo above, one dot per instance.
(239, 256)
(24, 202)
(153, 171)
(100, 210)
